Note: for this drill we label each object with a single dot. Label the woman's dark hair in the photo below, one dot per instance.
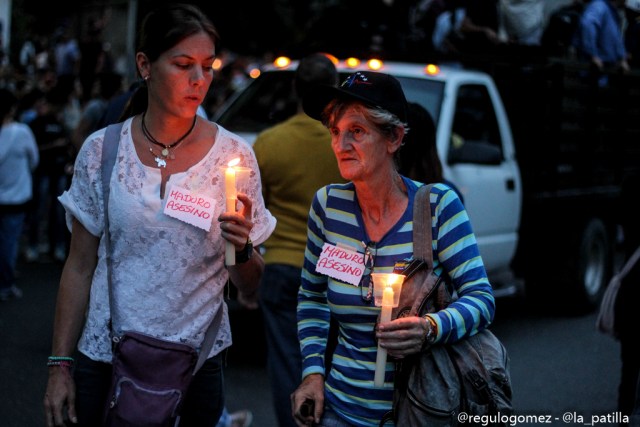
(418, 157)
(165, 27)
(161, 30)
(8, 101)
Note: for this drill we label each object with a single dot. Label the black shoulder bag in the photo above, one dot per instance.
(470, 376)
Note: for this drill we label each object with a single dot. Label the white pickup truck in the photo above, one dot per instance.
(553, 240)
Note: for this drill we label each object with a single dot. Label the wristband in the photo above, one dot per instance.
(62, 361)
(245, 254)
(432, 330)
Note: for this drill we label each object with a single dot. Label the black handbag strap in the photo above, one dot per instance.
(109, 151)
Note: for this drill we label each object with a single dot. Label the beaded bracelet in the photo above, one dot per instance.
(63, 361)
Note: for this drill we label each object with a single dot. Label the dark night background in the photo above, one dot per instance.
(248, 27)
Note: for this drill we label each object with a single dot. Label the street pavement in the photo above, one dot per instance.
(25, 337)
(559, 363)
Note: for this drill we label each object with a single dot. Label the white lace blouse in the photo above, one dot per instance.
(168, 276)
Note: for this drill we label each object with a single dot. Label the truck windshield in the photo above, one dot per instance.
(269, 100)
(427, 93)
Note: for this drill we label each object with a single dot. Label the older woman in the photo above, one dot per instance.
(372, 215)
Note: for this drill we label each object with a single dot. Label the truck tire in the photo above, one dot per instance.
(577, 271)
(594, 267)
(589, 270)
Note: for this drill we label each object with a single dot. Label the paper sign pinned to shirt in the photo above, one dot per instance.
(190, 207)
(340, 263)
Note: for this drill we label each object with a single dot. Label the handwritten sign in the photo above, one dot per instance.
(190, 207)
(340, 263)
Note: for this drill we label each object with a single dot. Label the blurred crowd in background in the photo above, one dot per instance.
(65, 80)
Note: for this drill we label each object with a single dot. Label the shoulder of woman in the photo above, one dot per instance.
(18, 127)
(445, 195)
(437, 189)
(225, 133)
(95, 140)
(340, 190)
(21, 132)
(91, 149)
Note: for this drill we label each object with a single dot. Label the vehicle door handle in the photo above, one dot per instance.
(511, 184)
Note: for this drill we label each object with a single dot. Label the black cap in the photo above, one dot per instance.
(372, 88)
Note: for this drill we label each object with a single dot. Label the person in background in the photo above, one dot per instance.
(481, 26)
(559, 34)
(421, 21)
(295, 160)
(418, 157)
(107, 86)
(371, 216)
(27, 105)
(466, 27)
(71, 110)
(66, 50)
(599, 38)
(522, 20)
(47, 232)
(18, 159)
(163, 147)
(117, 105)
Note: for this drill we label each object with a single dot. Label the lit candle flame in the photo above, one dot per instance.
(234, 162)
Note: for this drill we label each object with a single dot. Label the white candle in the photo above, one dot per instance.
(385, 316)
(387, 299)
(231, 196)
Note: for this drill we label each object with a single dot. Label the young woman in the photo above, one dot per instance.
(168, 275)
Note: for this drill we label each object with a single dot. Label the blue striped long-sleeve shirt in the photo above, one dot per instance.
(335, 218)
